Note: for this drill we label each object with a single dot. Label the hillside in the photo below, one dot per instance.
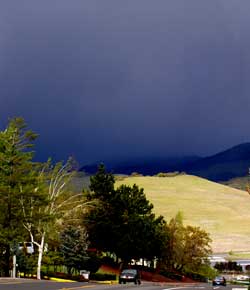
(222, 211)
(239, 182)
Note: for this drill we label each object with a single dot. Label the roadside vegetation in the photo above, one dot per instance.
(52, 229)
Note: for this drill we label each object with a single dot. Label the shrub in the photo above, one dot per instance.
(136, 174)
(102, 276)
(171, 275)
(108, 261)
(93, 263)
(169, 174)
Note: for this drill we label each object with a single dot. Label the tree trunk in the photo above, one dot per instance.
(40, 256)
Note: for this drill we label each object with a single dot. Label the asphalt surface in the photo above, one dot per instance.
(26, 284)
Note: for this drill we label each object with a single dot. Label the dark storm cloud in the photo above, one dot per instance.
(100, 79)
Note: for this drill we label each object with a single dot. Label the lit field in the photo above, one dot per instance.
(222, 211)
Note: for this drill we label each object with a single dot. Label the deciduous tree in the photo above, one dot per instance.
(56, 200)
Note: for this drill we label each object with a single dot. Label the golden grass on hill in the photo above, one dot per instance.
(222, 211)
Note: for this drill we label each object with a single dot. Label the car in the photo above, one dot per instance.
(219, 280)
(130, 275)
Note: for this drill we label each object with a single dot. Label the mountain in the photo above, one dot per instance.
(144, 166)
(222, 166)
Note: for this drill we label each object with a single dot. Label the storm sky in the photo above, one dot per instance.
(116, 79)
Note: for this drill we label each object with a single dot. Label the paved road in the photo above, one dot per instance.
(25, 284)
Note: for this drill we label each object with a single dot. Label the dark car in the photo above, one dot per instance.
(219, 281)
(130, 275)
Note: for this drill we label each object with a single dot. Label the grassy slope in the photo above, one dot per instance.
(238, 182)
(222, 211)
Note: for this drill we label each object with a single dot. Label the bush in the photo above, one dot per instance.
(102, 276)
(136, 174)
(197, 277)
(93, 263)
(168, 174)
(171, 275)
(108, 261)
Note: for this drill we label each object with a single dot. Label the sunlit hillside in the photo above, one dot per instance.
(221, 210)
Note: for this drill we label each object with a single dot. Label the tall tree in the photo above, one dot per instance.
(188, 247)
(56, 200)
(122, 221)
(74, 246)
(16, 177)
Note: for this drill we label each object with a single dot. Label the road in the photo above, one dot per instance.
(25, 284)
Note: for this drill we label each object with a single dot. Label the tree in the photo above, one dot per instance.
(55, 201)
(16, 177)
(122, 221)
(74, 245)
(136, 225)
(99, 220)
(188, 247)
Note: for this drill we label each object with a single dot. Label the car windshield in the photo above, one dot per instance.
(129, 271)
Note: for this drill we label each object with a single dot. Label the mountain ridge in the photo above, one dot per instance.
(222, 166)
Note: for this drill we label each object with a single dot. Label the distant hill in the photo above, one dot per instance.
(144, 166)
(222, 166)
(231, 163)
(220, 210)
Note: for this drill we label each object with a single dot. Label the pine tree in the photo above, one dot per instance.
(16, 178)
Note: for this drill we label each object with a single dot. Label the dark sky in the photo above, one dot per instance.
(108, 79)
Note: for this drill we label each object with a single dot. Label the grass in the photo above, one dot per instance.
(222, 211)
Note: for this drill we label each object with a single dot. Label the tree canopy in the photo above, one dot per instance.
(122, 221)
(17, 178)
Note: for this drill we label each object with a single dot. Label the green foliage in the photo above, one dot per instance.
(102, 184)
(17, 178)
(168, 174)
(102, 276)
(26, 263)
(92, 263)
(187, 248)
(73, 247)
(208, 271)
(122, 221)
(171, 275)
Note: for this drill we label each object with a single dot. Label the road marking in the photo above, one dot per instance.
(79, 287)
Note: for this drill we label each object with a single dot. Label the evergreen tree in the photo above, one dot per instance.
(17, 177)
(122, 221)
(73, 247)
